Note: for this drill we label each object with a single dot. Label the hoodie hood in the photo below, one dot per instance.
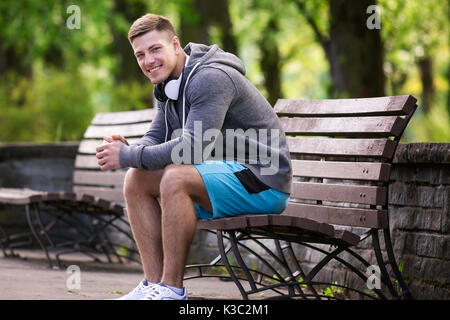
(211, 56)
(201, 56)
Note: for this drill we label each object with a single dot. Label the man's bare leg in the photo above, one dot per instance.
(141, 188)
(180, 186)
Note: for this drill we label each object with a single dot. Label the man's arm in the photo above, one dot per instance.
(108, 151)
(210, 93)
(157, 131)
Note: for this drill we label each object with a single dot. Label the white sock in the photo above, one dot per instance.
(178, 291)
(146, 282)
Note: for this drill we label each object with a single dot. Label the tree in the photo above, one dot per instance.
(354, 52)
(199, 17)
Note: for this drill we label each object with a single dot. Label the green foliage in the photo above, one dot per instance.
(334, 291)
(56, 79)
(52, 106)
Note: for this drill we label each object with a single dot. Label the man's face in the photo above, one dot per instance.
(156, 54)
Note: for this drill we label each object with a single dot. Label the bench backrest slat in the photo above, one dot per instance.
(370, 195)
(110, 194)
(124, 117)
(348, 126)
(370, 218)
(383, 148)
(397, 105)
(88, 146)
(126, 130)
(366, 171)
(93, 177)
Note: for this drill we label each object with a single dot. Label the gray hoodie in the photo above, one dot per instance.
(224, 116)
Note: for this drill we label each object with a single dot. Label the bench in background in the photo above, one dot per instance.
(80, 221)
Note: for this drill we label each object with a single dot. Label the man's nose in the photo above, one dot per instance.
(149, 60)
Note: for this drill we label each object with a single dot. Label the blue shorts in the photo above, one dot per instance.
(231, 194)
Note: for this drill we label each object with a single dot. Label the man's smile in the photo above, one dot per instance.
(154, 69)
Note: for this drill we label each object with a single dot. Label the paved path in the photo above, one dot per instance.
(30, 278)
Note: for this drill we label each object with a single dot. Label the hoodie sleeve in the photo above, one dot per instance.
(154, 136)
(157, 131)
(209, 93)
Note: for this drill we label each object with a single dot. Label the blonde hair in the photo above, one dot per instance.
(150, 22)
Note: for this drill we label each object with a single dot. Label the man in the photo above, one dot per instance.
(205, 106)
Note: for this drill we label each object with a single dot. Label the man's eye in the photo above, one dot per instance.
(139, 56)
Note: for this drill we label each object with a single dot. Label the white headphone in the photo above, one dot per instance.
(172, 87)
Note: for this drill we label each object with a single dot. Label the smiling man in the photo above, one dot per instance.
(196, 85)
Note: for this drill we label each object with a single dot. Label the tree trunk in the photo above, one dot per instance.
(10, 61)
(270, 61)
(356, 52)
(426, 76)
(128, 69)
(195, 28)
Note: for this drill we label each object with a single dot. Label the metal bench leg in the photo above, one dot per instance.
(213, 264)
(298, 268)
(34, 207)
(4, 243)
(382, 264)
(227, 265)
(402, 286)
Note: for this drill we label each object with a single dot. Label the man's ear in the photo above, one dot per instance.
(176, 44)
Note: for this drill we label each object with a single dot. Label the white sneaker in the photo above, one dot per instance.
(159, 292)
(139, 292)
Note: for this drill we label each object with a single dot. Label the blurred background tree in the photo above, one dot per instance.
(54, 79)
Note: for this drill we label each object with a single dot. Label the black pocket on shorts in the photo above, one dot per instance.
(250, 182)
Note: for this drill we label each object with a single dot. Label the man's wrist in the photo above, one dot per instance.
(129, 156)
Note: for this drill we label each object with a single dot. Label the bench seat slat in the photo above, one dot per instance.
(266, 224)
(369, 218)
(367, 171)
(265, 220)
(372, 195)
(396, 105)
(348, 237)
(238, 222)
(383, 148)
(349, 126)
(109, 118)
(20, 196)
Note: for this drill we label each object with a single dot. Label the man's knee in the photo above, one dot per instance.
(173, 180)
(184, 179)
(138, 181)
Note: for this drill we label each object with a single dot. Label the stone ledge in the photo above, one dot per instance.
(427, 152)
(28, 150)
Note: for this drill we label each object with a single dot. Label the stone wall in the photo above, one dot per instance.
(419, 206)
(46, 167)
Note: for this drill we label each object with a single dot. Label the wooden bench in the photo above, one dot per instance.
(341, 152)
(81, 221)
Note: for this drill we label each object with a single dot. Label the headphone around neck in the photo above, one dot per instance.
(169, 89)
